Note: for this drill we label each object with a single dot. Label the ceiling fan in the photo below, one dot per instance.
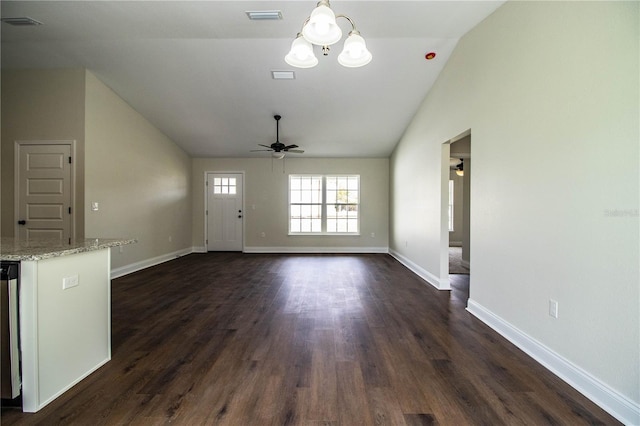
(278, 148)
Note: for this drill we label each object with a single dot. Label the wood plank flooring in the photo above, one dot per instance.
(253, 339)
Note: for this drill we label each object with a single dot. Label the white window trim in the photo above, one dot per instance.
(323, 216)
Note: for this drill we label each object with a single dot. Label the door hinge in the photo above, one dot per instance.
(206, 212)
(69, 210)
(69, 160)
(206, 241)
(69, 240)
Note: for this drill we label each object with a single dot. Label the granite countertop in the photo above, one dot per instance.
(19, 249)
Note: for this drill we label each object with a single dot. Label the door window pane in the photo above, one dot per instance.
(224, 186)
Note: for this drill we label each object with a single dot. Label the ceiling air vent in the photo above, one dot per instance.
(23, 21)
(264, 15)
(283, 75)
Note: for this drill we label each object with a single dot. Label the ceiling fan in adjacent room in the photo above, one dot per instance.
(278, 148)
(457, 164)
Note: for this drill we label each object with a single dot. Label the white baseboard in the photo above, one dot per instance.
(143, 264)
(440, 284)
(619, 406)
(316, 250)
(203, 249)
(41, 405)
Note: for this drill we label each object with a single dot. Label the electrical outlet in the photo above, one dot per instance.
(95, 206)
(262, 234)
(553, 308)
(373, 235)
(170, 238)
(68, 282)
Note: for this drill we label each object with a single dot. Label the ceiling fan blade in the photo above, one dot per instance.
(278, 148)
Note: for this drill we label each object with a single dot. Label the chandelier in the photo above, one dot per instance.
(321, 29)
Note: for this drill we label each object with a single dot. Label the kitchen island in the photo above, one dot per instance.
(64, 312)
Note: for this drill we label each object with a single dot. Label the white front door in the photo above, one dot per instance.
(224, 212)
(44, 191)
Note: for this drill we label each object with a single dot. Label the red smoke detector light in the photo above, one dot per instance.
(429, 56)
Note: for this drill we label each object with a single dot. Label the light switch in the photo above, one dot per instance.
(94, 206)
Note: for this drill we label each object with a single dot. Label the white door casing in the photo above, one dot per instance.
(44, 190)
(224, 212)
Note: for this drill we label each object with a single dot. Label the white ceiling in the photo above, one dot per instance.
(200, 71)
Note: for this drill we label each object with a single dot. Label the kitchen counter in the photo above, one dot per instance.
(17, 250)
(65, 312)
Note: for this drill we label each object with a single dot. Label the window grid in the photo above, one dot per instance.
(224, 186)
(305, 204)
(324, 204)
(342, 204)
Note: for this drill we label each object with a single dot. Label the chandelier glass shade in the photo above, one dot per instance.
(321, 29)
(355, 53)
(301, 54)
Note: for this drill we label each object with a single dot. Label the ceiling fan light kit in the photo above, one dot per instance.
(460, 168)
(321, 29)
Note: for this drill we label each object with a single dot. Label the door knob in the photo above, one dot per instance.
(22, 222)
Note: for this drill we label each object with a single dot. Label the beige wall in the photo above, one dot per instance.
(266, 187)
(550, 93)
(45, 105)
(139, 177)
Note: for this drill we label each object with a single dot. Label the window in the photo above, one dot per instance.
(324, 204)
(305, 204)
(450, 205)
(224, 185)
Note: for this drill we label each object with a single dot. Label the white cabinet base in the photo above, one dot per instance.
(65, 329)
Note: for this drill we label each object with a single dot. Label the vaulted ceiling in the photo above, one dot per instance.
(201, 71)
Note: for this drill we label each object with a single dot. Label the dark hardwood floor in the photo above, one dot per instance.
(252, 339)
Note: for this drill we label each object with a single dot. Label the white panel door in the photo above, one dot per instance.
(44, 191)
(224, 212)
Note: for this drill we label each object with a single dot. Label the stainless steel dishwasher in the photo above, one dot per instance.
(10, 355)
